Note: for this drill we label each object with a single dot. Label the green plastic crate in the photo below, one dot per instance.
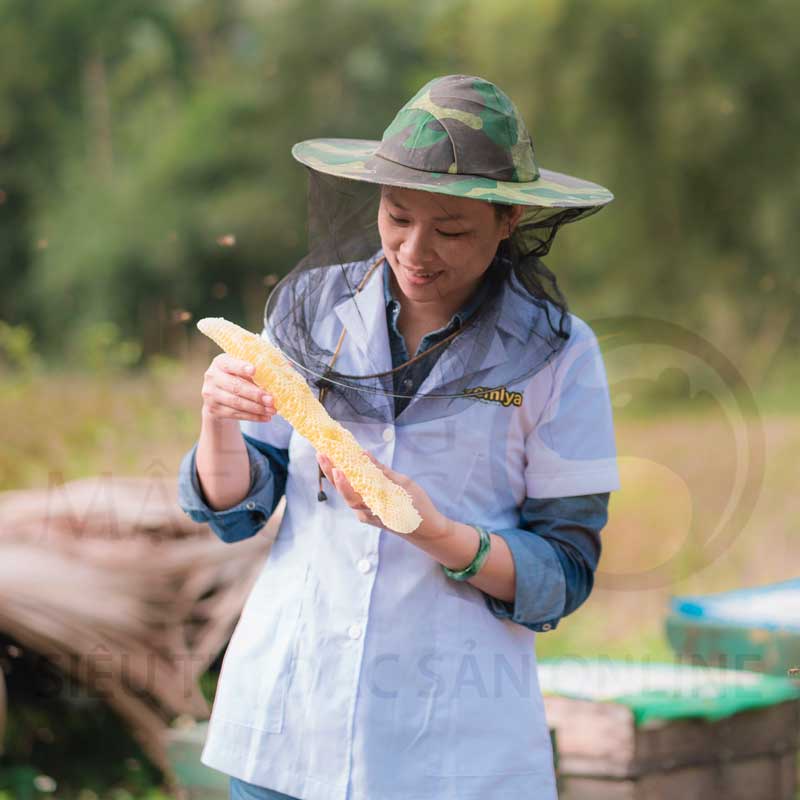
(199, 782)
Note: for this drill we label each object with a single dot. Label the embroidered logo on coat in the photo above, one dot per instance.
(498, 394)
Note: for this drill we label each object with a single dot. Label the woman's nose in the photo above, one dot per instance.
(417, 246)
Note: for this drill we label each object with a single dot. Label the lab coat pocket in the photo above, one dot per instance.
(488, 707)
(258, 664)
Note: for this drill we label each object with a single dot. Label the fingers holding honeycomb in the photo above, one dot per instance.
(295, 402)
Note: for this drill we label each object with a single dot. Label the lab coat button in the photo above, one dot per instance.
(364, 565)
(250, 506)
(354, 631)
(388, 435)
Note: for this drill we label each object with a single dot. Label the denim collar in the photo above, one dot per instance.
(456, 321)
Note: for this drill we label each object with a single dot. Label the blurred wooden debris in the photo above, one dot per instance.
(109, 580)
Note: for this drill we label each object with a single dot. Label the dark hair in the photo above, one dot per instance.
(531, 271)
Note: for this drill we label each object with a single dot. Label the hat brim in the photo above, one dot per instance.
(548, 196)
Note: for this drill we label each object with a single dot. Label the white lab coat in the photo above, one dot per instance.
(358, 671)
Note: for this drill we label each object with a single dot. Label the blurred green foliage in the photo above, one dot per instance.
(16, 348)
(145, 173)
(63, 741)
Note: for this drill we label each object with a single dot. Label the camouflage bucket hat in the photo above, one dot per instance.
(460, 135)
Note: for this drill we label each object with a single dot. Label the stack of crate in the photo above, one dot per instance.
(641, 731)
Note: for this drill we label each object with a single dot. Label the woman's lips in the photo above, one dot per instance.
(418, 278)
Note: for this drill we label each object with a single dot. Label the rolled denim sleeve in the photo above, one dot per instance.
(268, 471)
(555, 550)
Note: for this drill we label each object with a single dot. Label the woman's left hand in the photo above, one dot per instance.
(433, 521)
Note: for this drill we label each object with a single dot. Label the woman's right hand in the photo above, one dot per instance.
(229, 392)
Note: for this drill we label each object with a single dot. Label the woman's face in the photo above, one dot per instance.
(439, 246)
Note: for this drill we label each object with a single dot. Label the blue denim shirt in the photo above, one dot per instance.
(555, 548)
(268, 472)
(408, 380)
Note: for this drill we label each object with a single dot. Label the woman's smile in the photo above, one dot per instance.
(419, 278)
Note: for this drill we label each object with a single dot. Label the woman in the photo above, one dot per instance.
(369, 664)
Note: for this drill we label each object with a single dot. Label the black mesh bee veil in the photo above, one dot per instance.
(329, 317)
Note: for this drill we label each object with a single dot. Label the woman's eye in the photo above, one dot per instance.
(401, 221)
